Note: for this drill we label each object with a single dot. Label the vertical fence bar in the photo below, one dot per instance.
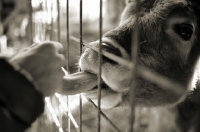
(81, 43)
(67, 58)
(68, 113)
(1, 22)
(51, 25)
(100, 68)
(58, 20)
(44, 19)
(59, 40)
(80, 115)
(67, 34)
(31, 20)
(81, 26)
(134, 56)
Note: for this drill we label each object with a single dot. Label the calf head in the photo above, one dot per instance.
(168, 45)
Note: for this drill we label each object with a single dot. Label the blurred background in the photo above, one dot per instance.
(25, 23)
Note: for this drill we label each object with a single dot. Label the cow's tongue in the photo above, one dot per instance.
(78, 83)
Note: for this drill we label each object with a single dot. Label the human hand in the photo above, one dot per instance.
(43, 61)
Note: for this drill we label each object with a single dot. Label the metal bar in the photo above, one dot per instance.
(58, 38)
(81, 41)
(49, 118)
(35, 27)
(81, 26)
(100, 68)
(31, 21)
(51, 26)
(80, 113)
(134, 56)
(39, 27)
(67, 59)
(43, 21)
(111, 123)
(58, 20)
(60, 110)
(1, 21)
(67, 33)
(66, 107)
(68, 113)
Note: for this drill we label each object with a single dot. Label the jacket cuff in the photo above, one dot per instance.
(20, 94)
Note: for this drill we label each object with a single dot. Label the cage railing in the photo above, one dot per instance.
(136, 69)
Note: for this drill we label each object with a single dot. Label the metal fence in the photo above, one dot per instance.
(58, 107)
(41, 30)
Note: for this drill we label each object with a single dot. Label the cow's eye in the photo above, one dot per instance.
(184, 30)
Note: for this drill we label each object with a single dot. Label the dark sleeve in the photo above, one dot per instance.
(20, 101)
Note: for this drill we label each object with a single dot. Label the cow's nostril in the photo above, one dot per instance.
(110, 49)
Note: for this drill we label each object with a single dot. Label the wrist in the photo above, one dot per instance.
(26, 74)
(20, 93)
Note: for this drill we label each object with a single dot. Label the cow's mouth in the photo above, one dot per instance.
(115, 77)
(109, 97)
(107, 47)
(103, 86)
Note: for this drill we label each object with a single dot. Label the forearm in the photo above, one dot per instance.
(19, 96)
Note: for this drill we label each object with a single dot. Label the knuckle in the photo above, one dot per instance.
(48, 46)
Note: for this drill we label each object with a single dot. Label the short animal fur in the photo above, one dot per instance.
(168, 44)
